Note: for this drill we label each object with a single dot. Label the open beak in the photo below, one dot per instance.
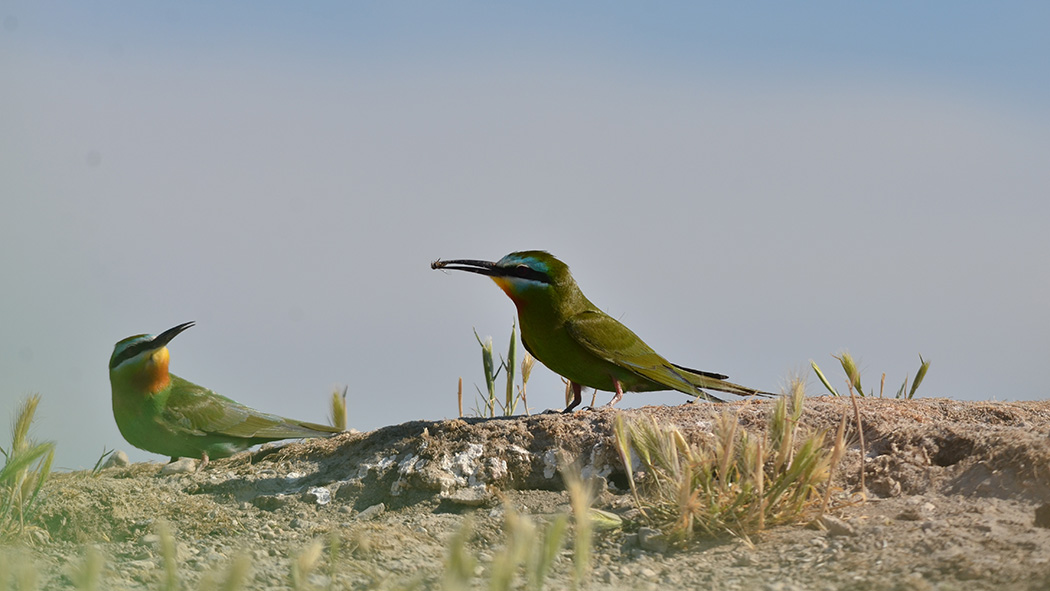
(479, 267)
(165, 337)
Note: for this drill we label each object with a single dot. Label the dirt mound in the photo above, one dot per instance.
(955, 487)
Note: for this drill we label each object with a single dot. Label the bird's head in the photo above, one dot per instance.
(142, 360)
(524, 276)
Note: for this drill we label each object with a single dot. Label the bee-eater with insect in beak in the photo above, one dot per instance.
(572, 337)
(165, 414)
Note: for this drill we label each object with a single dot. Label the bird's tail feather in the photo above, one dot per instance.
(716, 381)
(697, 372)
(323, 429)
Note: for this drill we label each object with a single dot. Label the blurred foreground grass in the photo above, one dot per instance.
(27, 465)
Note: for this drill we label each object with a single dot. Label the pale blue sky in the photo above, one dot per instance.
(747, 186)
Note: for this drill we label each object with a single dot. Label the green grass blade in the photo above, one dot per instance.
(338, 408)
(17, 464)
(41, 474)
(511, 365)
(97, 469)
(823, 380)
(923, 367)
(490, 373)
(900, 391)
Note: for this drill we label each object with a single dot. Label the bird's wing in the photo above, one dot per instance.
(607, 338)
(199, 411)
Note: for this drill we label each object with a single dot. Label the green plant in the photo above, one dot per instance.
(508, 366)
(490, 375)
(97, 469)
(27, 466)
(732, 481)
(849, 366)
(338, 409)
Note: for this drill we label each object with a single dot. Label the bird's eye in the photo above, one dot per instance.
(523, 267)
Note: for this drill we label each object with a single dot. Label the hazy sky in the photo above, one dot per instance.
(748, 186)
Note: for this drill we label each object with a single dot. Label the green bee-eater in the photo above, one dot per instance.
(571, 336)
(165, 414)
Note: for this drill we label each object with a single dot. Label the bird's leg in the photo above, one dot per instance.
(204, 461)
(619, 394)
(577, 396)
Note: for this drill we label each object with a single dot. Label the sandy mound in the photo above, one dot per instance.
(954, 491)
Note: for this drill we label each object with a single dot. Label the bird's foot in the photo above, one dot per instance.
(577, 395)
(580, 409)
(617, 397)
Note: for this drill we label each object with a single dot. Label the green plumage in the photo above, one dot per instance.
(180, 418)
(566, 332)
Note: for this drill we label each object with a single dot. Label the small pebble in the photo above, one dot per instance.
(471, 496)
(179, 466)
(371, 512)
(744, 560)
(652, 539)
(837, 527)
(117, 459)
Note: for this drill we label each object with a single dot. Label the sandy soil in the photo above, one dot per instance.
(954, 493)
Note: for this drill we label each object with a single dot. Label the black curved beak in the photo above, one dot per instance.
(165, 337)
(479, 267)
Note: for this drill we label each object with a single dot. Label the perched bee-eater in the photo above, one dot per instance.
(571, 336)
(165, 414)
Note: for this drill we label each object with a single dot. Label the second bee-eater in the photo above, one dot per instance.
(571, 336)
(165, 414)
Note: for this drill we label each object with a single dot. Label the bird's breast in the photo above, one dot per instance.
(154, 375)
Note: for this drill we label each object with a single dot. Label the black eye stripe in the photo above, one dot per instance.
(529, 273)
(130, 352)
